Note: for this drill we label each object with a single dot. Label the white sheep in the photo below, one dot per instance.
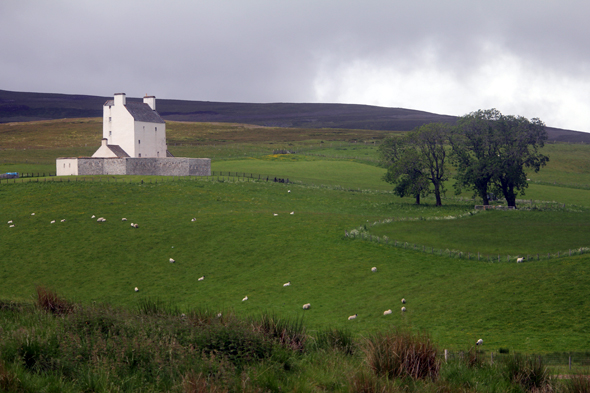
(193, 219)
(32, 214)
(135, 225)
(11, 226)
(373, 269)
(289, 191)
(387, 312)
(136, 289)
(218, 315)
(245, 298)
(292, 213)
(101, 219)
(123, 219)
(93, 216)
(10, 222)
(352, 317)
(132, 224)
(201, 278)
(403, 301)
(403, 309)
(52, 222)
(64, 220)
(307, 306)
(275, 214)
(288, 283)
(479, 342)
(519, 259)
(172, 260)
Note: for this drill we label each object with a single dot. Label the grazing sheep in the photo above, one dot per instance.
(101, 219)
(93, 216)
(373, 269)
(352, 317)
(275, 214)
(183, 315)
(10, 222)
(245, 298)
(519, 259)
(64, 220)
(11, 226)
(479, 342)
(172, 260)
(288, 283)
(123, 219)
(387, 312)
(292, 213)
(32, 214)
(135, 225)
(307, 306)
(289, 191)
(52, 222)
(136, 289)
(193, 219)
(403, 301)
(403, 309)
(219, 315)
(201, 278)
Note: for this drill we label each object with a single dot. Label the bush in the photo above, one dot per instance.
(578, 384)
(402, 354)
(290, 334)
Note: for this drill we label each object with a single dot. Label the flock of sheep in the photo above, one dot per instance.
(306, 306)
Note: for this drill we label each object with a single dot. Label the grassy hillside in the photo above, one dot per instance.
(243, 249)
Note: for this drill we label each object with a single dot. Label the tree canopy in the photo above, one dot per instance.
(492, 150)
(417, 161)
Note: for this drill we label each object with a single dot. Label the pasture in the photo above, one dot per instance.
(243, 249)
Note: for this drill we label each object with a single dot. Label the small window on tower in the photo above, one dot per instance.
(139, 142)
(156, 128)
(109, 119)
(140, 154)
(110, 133)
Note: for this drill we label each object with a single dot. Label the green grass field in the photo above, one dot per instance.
(243, 249)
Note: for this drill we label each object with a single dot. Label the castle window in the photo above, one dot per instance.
(140, 154)
(110, 133)
(109, 119)
(139, 142)
(156, 128)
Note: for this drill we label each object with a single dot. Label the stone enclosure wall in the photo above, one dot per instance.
(170, 166)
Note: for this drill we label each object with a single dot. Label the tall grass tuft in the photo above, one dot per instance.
(289, 333)
(337, 339)
(150, 306)
(528, 371)
(578, 384)
(402, 354)
(9, 381)
(48, 300)
(198, 383)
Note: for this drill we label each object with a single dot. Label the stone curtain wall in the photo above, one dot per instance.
(140, 166)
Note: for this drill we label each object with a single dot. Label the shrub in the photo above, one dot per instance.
(49, 301)
(9, 381)
(402, 354)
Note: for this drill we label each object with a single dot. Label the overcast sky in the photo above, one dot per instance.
(529, 58)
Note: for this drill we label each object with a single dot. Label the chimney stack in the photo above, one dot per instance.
(151, 101)
(120, 99)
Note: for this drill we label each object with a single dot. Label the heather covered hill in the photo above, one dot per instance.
(22, 107)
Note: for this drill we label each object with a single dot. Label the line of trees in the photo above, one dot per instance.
(490, 151)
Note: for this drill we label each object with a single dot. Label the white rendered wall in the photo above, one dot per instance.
(153, 139)
(66, 167)
(118, 127)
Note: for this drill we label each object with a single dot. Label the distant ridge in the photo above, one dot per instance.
(22, 107)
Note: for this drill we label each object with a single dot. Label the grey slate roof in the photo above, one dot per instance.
(118, 151)
(143, 112)
(140, 112)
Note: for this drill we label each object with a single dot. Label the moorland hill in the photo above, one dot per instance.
(23, 107)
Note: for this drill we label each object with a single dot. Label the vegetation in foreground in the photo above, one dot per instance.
(55, 345)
